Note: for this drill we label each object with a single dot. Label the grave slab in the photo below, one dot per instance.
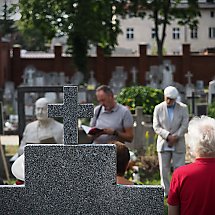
(75, 179)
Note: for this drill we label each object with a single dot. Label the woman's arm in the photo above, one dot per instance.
(173, 210)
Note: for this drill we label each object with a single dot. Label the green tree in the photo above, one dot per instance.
(7, 26)
(163, 12)
(84, 22)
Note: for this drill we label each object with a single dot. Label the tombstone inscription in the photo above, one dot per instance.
(75, 179)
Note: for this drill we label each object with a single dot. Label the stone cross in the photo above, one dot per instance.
(76, 179)
(134, 75)
(189, 75)
(70, 110)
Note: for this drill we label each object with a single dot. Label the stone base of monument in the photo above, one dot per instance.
(76, 179)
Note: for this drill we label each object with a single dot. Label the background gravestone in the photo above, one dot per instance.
(1, 119)
(211, 92)
(76, 179)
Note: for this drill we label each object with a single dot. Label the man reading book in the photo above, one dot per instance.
(114, 120)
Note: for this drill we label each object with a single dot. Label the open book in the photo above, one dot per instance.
(90, 130)
(168, 148)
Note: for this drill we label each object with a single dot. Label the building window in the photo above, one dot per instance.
(212, 14)
(153, 33)
(176, 33)
(130, 33)
(211, 33)
(194, 33)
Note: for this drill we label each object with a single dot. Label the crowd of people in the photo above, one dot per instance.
(192, 186)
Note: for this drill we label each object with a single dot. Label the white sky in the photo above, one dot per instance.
(16, 16)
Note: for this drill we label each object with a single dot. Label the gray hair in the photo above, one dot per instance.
(106, 89)
(201, 135)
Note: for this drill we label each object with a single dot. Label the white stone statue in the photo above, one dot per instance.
(44, 129)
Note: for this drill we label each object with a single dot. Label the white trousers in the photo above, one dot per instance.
(165, 158)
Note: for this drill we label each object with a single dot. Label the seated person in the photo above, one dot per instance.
(44, 129)
(123, 158)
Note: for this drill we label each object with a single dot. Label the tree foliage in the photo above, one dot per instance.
(163, 12)
(83, 22)
(7, 26)
(143, 96)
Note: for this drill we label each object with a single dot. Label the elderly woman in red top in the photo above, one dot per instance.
(192, 188)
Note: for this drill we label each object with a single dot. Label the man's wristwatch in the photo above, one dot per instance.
(115, 133)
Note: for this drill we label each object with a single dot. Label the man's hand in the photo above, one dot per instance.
(172, 140)
(109, 131)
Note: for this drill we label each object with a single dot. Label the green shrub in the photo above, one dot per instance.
(211, 110)
(143, 96)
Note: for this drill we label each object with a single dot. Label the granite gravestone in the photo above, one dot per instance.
(75, 179)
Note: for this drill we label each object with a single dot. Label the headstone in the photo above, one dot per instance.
(76, 179)
(29, 104)
(1, 119)
(28, 76)
(9, 90)
(52, 78)
(154, 77)
(51, 97)
(201, 109)
(189, 75)
(39, 81)
(61, 78)
(189, 88)
(199, 85)
(33, 77)
(9, 98)
(141, 127)
(77, 78)
(134, 75)
(92, 83)
(211, 92)
(167, 70)
(118, 80)
(82, 95)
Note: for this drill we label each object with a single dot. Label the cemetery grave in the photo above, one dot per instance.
(76, 178)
